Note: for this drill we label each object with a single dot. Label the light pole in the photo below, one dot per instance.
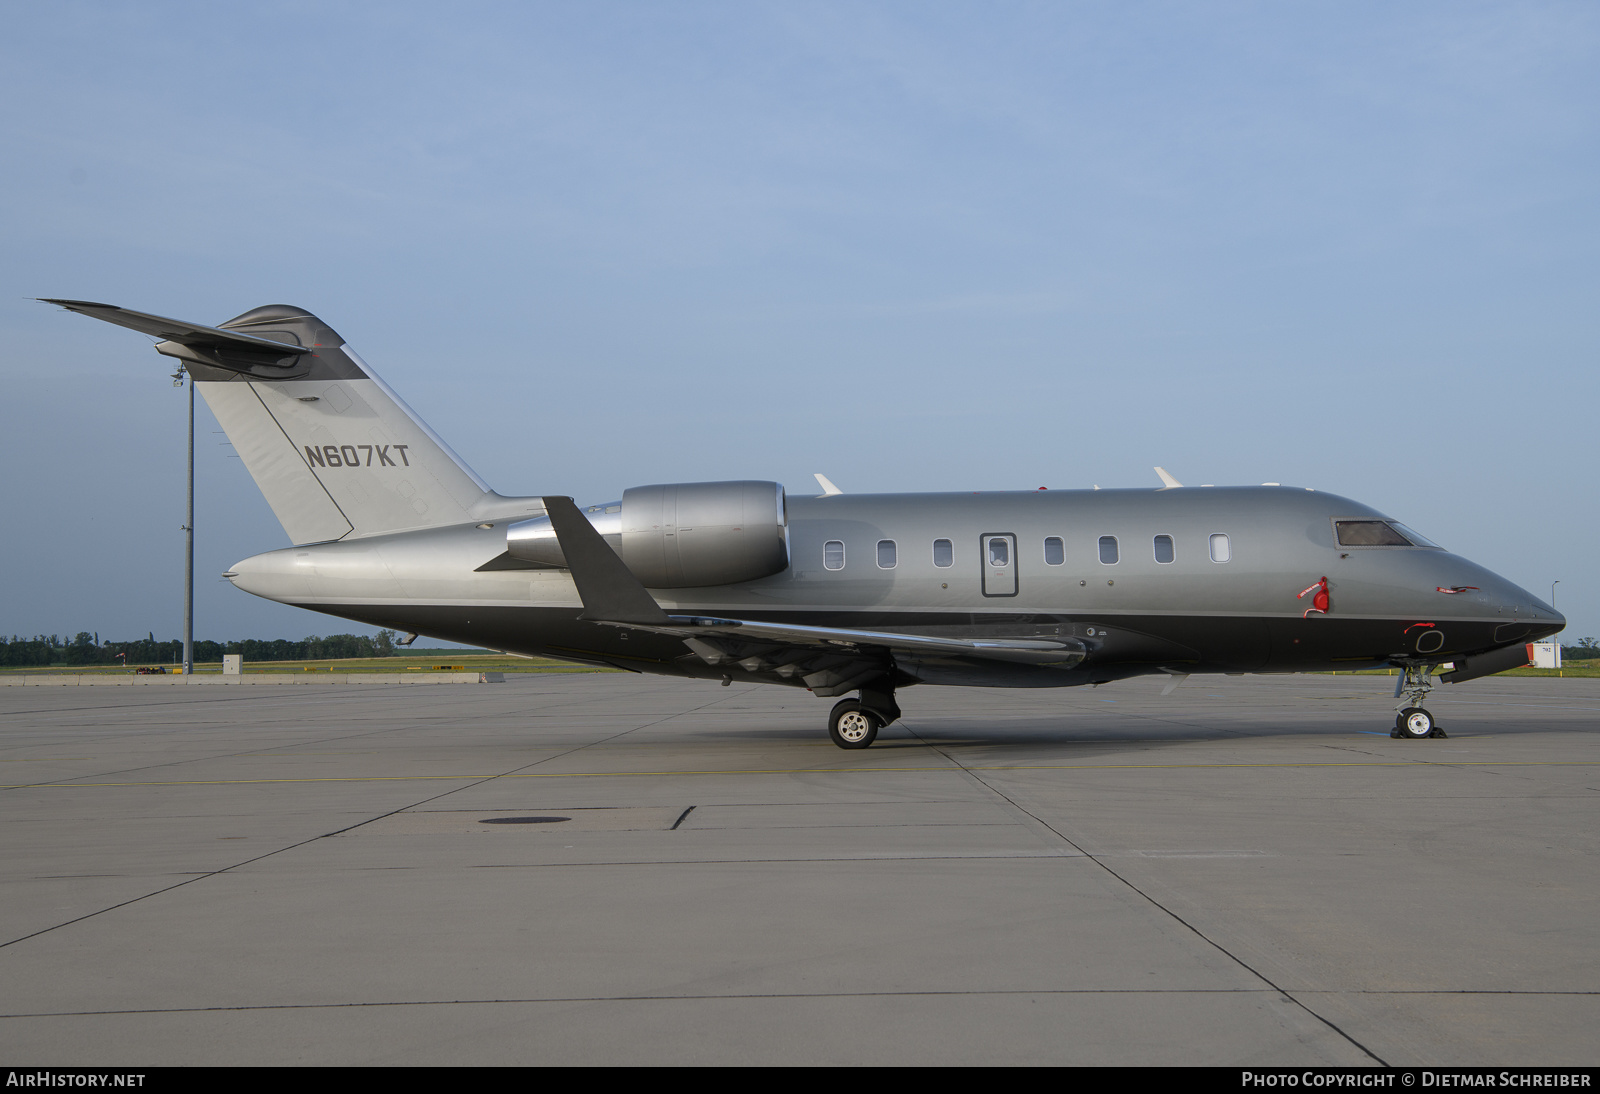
(188, 535)
(1553, 585)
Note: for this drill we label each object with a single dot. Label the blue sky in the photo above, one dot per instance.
(914, 246)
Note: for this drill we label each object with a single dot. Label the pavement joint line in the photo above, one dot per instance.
(1419, 763)
(288, 847)
(266, 854)
(910, 994)
(516, 772)
(1101, 862)
(934, 993)
(833, 860)
(265, 752)
(269, 751)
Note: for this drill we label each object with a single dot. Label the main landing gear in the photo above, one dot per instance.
(854, 723)
(1414, 723)
(852, 727)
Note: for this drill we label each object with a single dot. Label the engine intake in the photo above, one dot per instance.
(679, 535)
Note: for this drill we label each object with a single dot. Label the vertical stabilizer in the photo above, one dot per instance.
(333, 449)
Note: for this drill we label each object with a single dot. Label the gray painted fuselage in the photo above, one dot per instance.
(1135, 616)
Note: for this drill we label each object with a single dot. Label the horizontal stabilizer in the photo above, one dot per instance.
(256, 351)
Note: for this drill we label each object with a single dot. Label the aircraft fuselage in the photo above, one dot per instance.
(1181, 580)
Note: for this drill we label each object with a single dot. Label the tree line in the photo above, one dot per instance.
(87, 649)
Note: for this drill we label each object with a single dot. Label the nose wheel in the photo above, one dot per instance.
(1414, 722)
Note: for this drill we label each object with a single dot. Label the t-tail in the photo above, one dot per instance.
(336, 452)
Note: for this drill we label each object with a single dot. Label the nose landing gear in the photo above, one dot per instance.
(1414, 723)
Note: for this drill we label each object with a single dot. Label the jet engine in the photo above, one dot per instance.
(679, 535)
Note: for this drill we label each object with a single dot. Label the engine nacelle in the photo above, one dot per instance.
(679, 535)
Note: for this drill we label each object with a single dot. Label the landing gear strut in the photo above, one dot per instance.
(854, 723)
(1414, 723)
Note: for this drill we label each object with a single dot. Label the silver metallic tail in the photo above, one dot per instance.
(336, 453)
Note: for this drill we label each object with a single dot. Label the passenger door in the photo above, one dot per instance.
(998, 557)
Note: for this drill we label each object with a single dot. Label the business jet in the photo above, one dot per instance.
(837, 593)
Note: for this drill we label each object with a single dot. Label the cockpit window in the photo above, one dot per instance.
(1420, 541)
(1368, 533)
(1377, 533)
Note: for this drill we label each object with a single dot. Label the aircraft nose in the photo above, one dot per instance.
(1556, 619)
(1516, 602)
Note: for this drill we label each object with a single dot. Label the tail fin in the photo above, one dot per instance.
(334, 450)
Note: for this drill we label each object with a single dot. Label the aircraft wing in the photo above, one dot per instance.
(1033, 651)
(830, 660)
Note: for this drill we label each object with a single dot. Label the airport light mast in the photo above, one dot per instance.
(188, 535)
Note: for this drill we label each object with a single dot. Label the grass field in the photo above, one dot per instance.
(413, 661)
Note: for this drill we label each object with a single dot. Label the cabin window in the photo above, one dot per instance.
(1108, 550)
(999, 551)
(1221, 550)
(944, 553)
(1054, 552)
(833, 555)
(1164, 551)
(886, 554)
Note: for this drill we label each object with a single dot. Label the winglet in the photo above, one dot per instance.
(608, 589)
(1166, 479)
(828, 489)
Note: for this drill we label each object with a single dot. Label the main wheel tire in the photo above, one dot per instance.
(1416, 724)
(852, 726)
